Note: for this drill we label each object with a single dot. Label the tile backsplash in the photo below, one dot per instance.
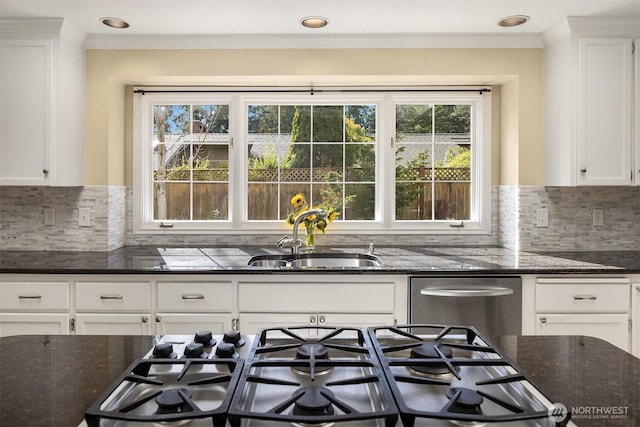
(513, 221)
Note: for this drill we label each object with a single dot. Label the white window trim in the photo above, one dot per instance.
(385, 163)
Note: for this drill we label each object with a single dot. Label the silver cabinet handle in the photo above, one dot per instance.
(585, 297)
(29, 296)
(466, 292)
(312, 319)
(144, 319)
(105, 297)
(45, 171)
(543, 320)
(638, 288)
(321, 319)
(192, 296)
(158, 319)
(583, 170)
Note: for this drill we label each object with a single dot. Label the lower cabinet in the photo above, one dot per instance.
(114, 324)
(182, 324)
(34, 307)
(591, 306)
(609, 327)
(635, 316)
(254, 321)
(33, 324)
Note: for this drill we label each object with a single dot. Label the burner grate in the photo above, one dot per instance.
(166, 390)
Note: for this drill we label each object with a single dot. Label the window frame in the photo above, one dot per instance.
(385, 101)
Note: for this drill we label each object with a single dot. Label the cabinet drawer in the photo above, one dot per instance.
(108, 296)
(326, 297)
(195, 297)
(34, 296)
(582, 295)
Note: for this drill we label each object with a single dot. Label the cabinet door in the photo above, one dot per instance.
(635, 318)
(195, 297)
(112, 296)
(33, 324)
(250, 323)
(613, 328)
(188, 324)
(355, 320)
(113, 324)
(637, 113)
(605, 111)
(26, 108)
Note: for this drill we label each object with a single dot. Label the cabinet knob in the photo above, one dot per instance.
(583, 170)
(543, 320)
(145, 319)
(638, 288)
(158, 319)
(312, 319)
(321, 319)
(45, 171)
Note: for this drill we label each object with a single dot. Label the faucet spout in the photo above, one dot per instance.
(294, 243)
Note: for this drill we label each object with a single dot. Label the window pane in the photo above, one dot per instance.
(360, 123)
(287, 191)
(328, 123)
(362, 205)
(262, 201)
(210, 202)
(433, 162)
(190, 144)
(171, 201)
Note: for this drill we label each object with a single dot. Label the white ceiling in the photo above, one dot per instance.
(346, 17)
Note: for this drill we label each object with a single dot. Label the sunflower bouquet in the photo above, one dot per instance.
(312, 222)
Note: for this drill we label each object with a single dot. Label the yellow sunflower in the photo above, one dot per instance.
(298, 200)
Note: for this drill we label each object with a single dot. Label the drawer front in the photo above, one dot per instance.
(34, 296)
(108, 296)
(195, 297)
(314, 297)
(582, 297)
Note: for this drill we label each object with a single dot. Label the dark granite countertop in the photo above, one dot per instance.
(51, 380)
(396, 260)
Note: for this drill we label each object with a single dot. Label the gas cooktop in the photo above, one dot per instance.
(320, 376)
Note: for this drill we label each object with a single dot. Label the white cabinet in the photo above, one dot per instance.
(589, 103)
(635, 316)
(637, 113)
(113, 308)
(33, 307)
(184, 307)
(591, 306)
(41, 103)
(323, 301)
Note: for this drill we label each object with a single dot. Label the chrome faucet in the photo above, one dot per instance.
(294, 242)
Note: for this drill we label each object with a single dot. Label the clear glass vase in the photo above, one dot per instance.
(310, 238)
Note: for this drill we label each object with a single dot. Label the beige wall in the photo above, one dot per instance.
(517, 74)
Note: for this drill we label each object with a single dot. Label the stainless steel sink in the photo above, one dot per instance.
(316, 260)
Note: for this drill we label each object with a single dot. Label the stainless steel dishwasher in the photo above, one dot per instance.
(493, 305)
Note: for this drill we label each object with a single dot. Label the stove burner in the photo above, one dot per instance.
(313, 400)
(312, 352)
(429, 350)
(465, 401)
(164, 350)
(226, 350)
(195, 350)
(233, 337)
(173, 401)
(205, 338)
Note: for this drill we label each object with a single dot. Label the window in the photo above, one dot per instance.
(396, 161)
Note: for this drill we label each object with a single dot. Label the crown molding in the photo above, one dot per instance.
(326, 41)
(30, 26)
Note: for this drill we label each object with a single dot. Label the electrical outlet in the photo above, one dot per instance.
(84, 217)
(542, 218)
(49, 216)
(598, 217)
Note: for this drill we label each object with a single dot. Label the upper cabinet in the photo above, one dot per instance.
(41, 103)
(589, 114)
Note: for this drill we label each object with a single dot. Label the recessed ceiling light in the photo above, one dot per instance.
(513, 21)
(115, 22)
(314, 21)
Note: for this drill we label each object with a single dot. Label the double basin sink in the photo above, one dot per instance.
(316, 260)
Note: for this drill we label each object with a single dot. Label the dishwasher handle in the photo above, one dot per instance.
(467, 292)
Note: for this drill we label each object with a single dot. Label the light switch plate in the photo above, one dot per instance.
(542, 218)
(84, 217)
(49, 216)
